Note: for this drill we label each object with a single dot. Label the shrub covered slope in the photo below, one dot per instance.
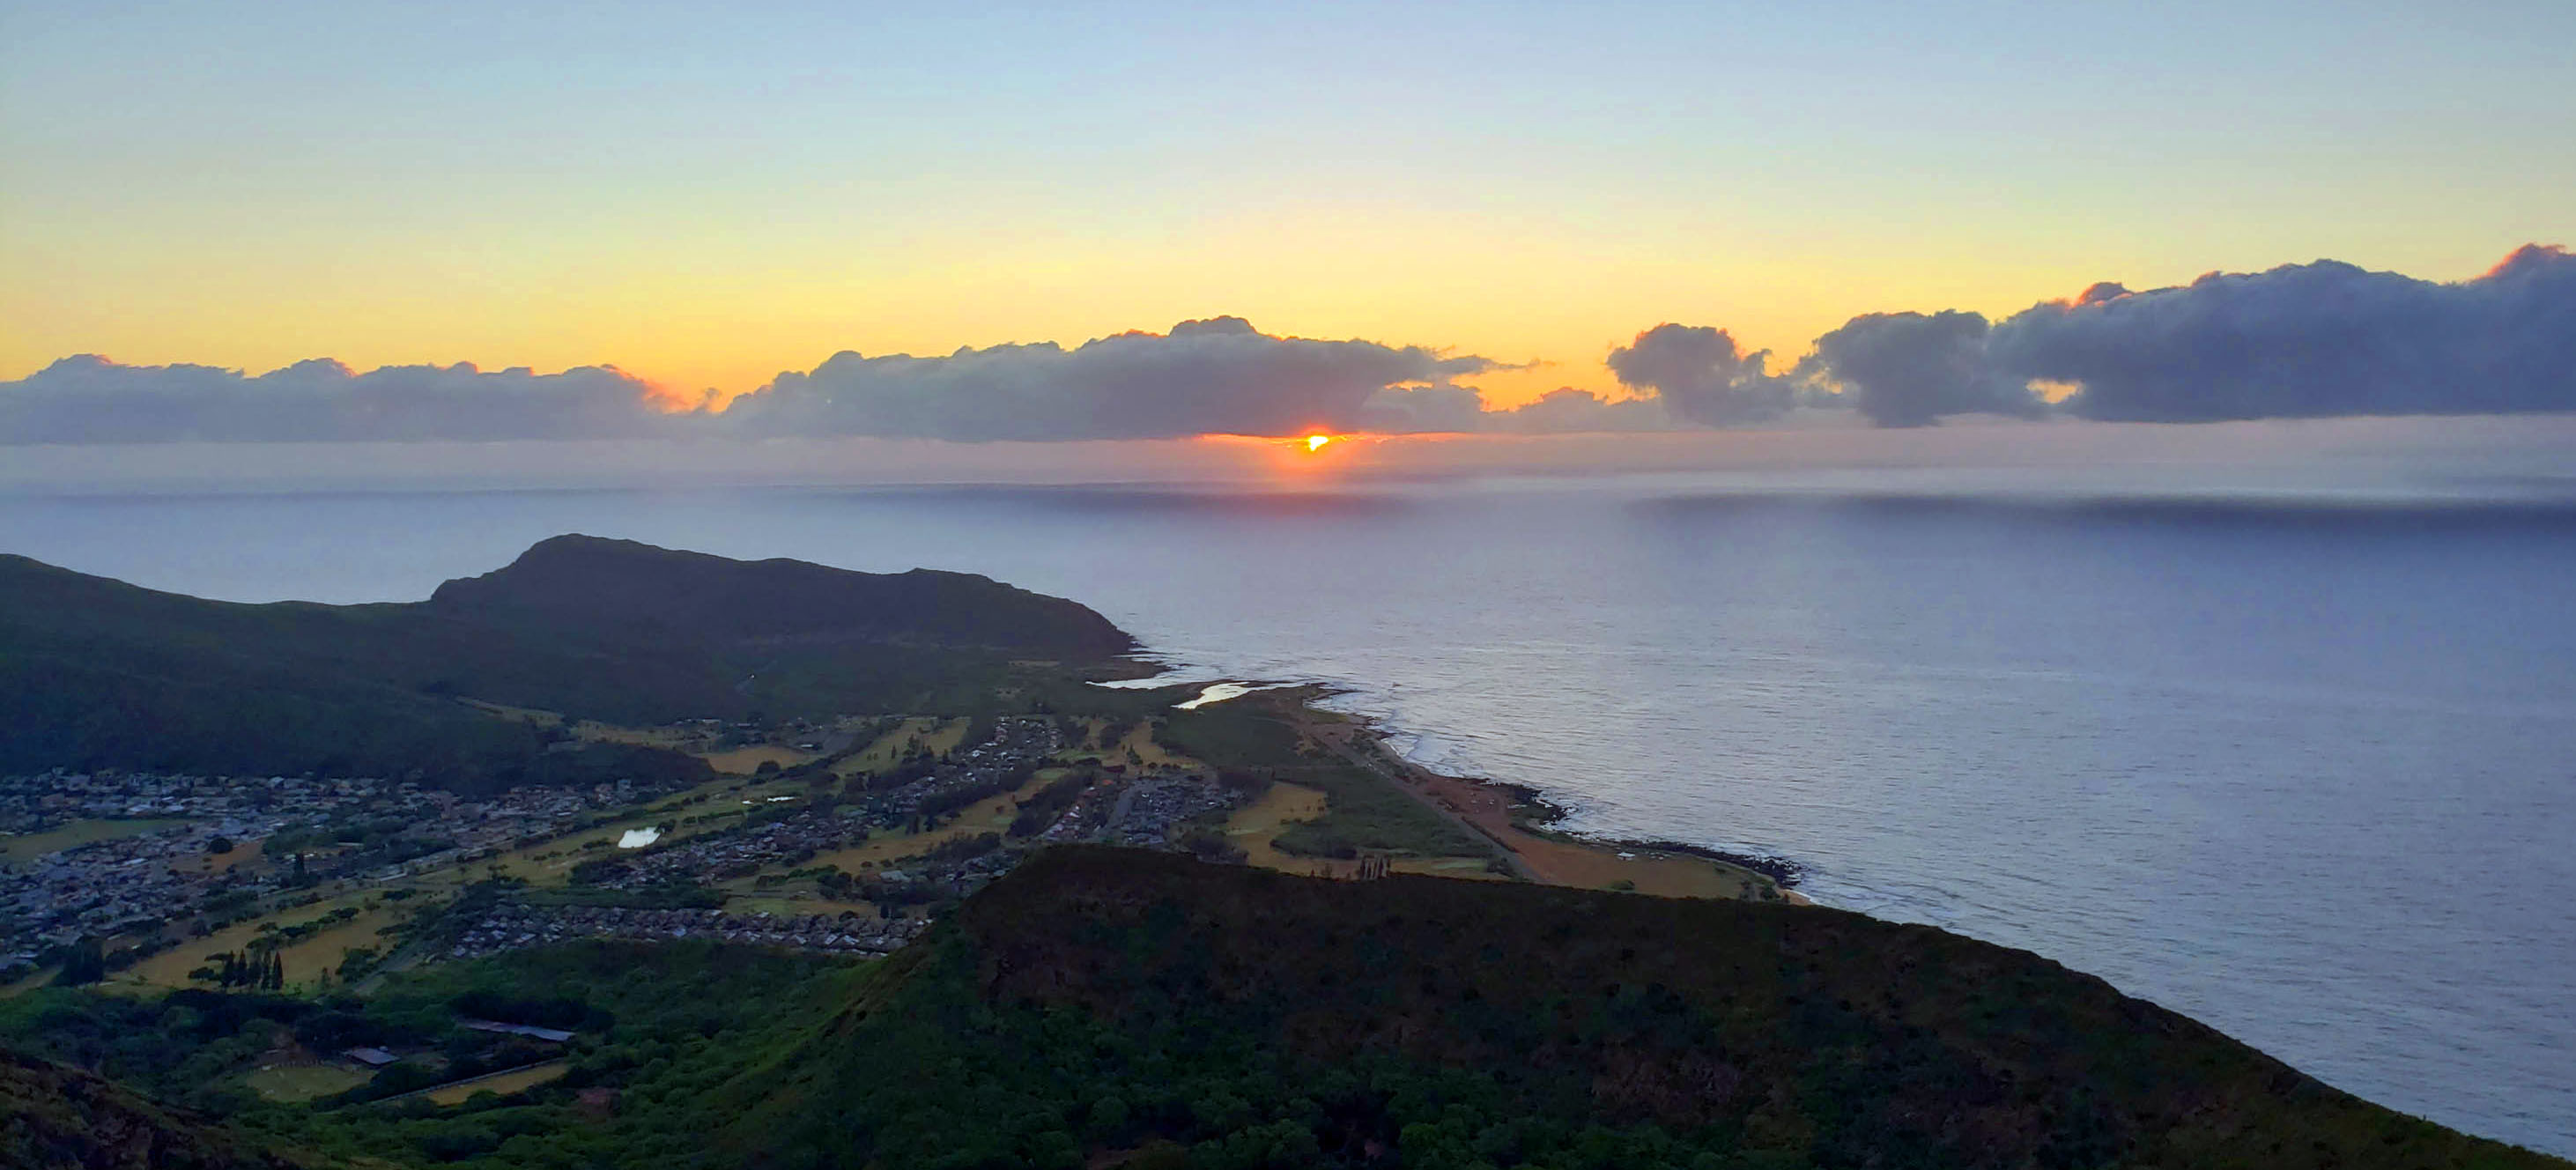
(1102, 1000)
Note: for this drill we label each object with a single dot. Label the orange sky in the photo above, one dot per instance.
(706, 197)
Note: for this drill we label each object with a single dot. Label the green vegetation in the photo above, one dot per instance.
(1104, 1000)
(658, 1024)
(1366, 811)
(96, 673)
(56, 1118)
(1108, 1007)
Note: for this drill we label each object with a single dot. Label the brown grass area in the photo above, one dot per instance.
(743, 761)
(1140, 740)
(1584, 864)
(243, 853)
(1281, 805)
(25, 847)
(661, 737)
(885, 751)
(947, 735)
(1549, 860)
(503, 1084)
(305, 960)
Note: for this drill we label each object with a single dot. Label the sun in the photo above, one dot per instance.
(1317, 442)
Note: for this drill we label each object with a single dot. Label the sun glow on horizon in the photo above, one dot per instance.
(1317, 442)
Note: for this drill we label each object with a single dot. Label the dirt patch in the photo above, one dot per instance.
(503, 1084)
(744, 761)
(291, 1083)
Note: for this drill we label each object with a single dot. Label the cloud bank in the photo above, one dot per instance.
(1702, 375)
(1218, 376)
(2317, 340)
(91, 400)
(1909, 369)
(2309, 340)
(2300, 341)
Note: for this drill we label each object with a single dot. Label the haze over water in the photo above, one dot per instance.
(2299, 768)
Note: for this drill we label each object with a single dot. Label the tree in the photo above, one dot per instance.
(218, 846)
(83, 962)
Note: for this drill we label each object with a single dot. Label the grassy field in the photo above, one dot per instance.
(931, 733)
(26, 847)
(291, 1083)
(1139, 742)
(743, 761)
(1364, 811)
(243, 853)
(502, 1084)
(673, 738)
(305, 959)
(1252, 826)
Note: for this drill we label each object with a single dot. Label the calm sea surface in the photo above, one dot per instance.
(2304, 771)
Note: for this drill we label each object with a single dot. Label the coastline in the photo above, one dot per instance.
(1518, 821)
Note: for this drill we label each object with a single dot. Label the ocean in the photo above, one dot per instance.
(2301, 766)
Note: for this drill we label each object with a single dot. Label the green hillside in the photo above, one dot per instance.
(1098, 999)
(98, 673)
(57, 1118)
(1104, 1007)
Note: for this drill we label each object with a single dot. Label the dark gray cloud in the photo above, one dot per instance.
(2309, 340)
(1702, 375)
(1910, 369)
(2299, 341)
(1413, 410)
(1219, 376)
(91, 400)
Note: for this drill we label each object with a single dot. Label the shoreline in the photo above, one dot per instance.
(1517, 819)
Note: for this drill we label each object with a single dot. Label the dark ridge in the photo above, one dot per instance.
(57, 1118)
(620, 586)
(97, 673)
(1336, 1018)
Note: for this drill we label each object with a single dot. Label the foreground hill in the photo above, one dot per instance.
(57, 1118)
(1104, 1007)
(1105, 1000)
(97, 673)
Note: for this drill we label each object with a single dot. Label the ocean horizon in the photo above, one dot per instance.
(2294, 762)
